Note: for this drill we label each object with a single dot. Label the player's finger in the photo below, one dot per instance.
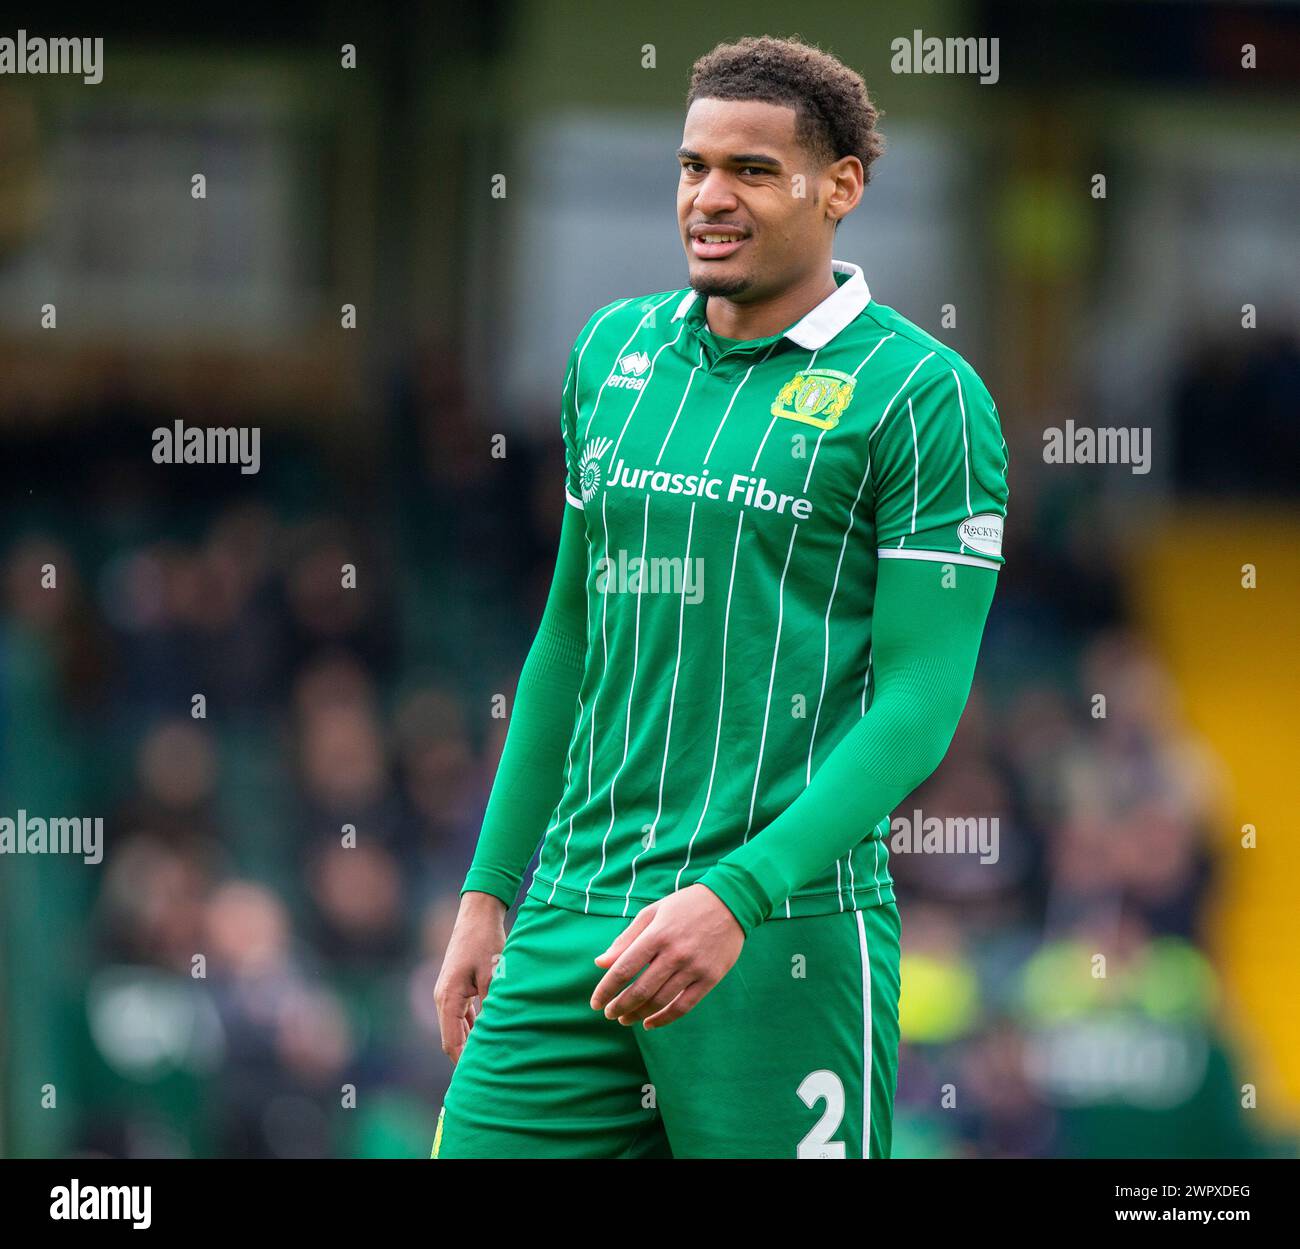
(642, 990)
(675, 1009)
(624, 970)
(639, 923)
(660, 999)
(454, 1040)
(450, 1012)
(453, 1011)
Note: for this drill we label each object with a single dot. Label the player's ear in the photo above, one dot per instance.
(847, 179)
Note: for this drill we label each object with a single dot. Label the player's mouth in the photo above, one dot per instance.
(716, 242)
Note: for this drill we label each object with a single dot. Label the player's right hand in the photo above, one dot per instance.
(476, 941)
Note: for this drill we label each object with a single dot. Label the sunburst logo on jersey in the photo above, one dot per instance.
(589, 467)
(815, 397)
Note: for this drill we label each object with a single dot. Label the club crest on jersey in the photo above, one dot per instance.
(816, 397)
(589, 467)
(631, 371)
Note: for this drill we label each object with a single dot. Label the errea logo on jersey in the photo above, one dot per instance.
(631, 371)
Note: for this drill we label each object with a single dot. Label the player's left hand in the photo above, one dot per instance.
(681, 945)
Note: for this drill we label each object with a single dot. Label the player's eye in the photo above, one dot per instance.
(692, 166)
(758, 169)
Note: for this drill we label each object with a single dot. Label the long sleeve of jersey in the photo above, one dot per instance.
(926, 631)
(530, 776)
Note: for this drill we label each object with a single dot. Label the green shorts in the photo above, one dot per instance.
(793, 1055)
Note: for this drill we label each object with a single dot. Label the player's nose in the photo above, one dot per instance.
(715, 195)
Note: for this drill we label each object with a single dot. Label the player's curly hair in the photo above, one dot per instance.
(834, 115)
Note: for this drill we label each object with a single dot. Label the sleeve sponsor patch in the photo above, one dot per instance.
(982, 533)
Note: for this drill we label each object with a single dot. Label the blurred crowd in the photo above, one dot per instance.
(292, 764)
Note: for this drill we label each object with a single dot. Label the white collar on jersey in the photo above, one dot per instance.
(819, 326)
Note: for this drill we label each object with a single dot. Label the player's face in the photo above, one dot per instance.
(749, 201)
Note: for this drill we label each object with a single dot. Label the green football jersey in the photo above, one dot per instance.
(736, 505)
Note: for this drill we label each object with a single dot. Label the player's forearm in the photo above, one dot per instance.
(926, 641)
(531, 772)
(530, 776)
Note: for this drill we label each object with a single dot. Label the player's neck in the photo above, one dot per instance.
(765, 317)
